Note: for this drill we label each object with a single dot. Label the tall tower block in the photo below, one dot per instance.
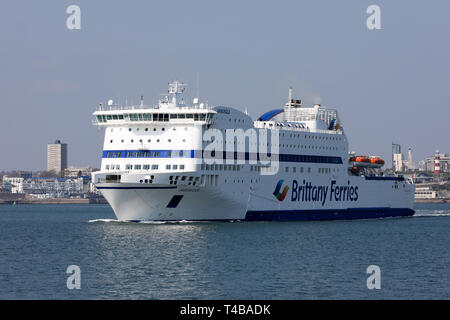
(56, 156)
(410, 160)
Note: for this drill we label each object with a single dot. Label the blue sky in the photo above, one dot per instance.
(388, 85)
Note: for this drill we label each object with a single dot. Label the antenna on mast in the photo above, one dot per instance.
(176, 88)
(198, 86)
(290, 95)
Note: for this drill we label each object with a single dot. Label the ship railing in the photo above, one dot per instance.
(285, 127)
(142, 107)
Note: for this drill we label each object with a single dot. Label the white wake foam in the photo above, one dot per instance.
(432, 213)
(142, 221)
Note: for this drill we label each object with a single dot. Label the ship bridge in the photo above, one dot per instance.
(169, 109)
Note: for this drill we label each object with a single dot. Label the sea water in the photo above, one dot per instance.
(220, 260)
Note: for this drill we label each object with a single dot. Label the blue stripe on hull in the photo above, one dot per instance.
(332, 214)
(135, 188)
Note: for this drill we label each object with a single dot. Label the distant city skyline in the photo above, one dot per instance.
(388, 85)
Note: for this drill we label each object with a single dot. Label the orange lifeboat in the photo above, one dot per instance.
(363, 159)
(352, 159)
(354, 170)
(377, 160)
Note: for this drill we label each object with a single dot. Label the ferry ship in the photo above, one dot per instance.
(175, 162)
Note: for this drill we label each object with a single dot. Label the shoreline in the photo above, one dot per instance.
(53, 201)
(438, 200)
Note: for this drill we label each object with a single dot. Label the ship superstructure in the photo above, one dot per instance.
(176, 162)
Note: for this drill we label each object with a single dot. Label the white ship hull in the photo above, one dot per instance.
(376, 199)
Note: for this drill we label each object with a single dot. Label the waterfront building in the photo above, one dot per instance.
(396, 149)
(75, 172)
(56, 156)
(13, 184)
(410, 160)
(425, 193)
(444, 163)
(48, 187)
(398, 162)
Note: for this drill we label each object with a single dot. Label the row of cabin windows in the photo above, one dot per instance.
(153, 167)
(308, 147)
(324, 170)
(188, 180)
(144, 167)
(162, 117)
(148, 140)
(220, 167)
(300, 169)
(112, 167)
(146, 154)
(154, 129)
(319, 170)
(281, 145)
(317, 137)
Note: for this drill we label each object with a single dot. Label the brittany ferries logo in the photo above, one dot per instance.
(280, 195)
